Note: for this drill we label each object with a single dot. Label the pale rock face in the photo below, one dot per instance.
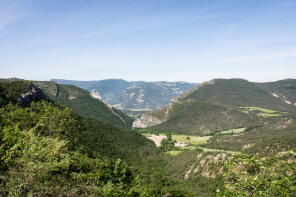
(288, 102)
(71, 97)
(275, 95)
(95, 95)
(140, 98)
(283, 97)
(146, 121)
(33, 94)
(132, 95)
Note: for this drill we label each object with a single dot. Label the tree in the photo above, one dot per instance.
(255, 175)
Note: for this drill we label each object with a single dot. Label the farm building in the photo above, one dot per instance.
(181, 144)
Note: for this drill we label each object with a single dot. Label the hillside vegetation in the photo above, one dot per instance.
(273, 135)
(223, 104)
(283, 89)
(44, 150)
(83, 103)
(109, 89)
(49, 150)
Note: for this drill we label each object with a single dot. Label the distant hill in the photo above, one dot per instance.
(135, 94)
(220, 104)
(83, 103)
(284, 89)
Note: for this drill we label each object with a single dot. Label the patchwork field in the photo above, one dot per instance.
(232, 131)
(174, 152)
(193, 141)
(182, 138)
(200, 140)
(260, 111)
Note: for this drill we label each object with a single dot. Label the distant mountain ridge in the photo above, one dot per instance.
(220, 104)
(135, 94)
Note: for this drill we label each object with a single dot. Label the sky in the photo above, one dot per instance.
(151, 40)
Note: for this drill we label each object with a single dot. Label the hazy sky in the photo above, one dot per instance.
(152, 40)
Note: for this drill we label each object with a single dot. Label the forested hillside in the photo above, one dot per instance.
(83, 103)
(49, 150)
(223, 104)
(44, 150)
(109, 89)
(273, 134)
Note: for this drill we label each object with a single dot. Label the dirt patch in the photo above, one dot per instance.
(157, 139)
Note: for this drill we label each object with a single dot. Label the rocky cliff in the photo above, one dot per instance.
(146, 120)
(34, 93)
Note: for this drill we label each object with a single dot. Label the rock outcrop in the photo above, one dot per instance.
(34, 94)
(96, 95)
(145, 121)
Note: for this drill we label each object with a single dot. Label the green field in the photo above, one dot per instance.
(146, 134)
(182, 138)
(188, 148)
(200, 140)
(216, 150)
(231, 131)
(263, 112)
(174, 152)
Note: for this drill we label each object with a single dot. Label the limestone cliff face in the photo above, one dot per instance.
(96, 95)
(145, 121)
(35, 93)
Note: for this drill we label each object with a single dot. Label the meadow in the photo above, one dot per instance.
(261, 112)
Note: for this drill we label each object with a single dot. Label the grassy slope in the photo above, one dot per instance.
(80, 101)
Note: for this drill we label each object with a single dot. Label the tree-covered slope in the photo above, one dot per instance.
(238, 93)
(271, 135)
(106, 139)
(218, 105)
(45, 150)
(283, 89)
(109, 89)
(203, 118)
(83, 103)
(48, 150)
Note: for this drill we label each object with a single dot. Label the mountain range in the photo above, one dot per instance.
(135, 94)
(59, 139)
